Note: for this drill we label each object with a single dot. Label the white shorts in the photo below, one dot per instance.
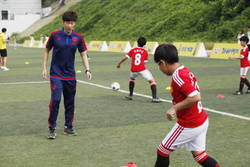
(193, 139)
(145, 74)
(243, 71)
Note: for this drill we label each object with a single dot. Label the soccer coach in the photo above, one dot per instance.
(64, 43)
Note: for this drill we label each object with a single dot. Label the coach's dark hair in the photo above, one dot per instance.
(69, 16)
(4, 29)
(166, 52)
(141, 41)
(245, 39)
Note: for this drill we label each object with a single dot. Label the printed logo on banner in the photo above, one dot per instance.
(224, 50)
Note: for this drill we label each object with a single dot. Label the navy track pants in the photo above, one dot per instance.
(68, 89)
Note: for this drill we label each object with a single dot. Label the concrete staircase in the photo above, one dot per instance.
(56, 11)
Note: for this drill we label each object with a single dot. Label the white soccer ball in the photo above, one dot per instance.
(115, 86)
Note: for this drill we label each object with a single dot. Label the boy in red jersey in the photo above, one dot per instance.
(192, 121)
(244, 65)
(139, 56)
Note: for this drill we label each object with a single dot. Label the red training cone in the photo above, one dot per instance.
(130, 164)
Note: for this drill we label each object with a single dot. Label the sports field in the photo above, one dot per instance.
(111, 130)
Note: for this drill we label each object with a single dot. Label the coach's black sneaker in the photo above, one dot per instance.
(156, 100)
(69, 131)
(128, 97)
(52, 134)
(238, 93)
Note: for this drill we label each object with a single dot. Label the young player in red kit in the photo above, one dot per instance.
(139, 56)
(192, 121)
(244, 65)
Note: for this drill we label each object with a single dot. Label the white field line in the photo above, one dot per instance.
(137, 94)
(23, 83)
(168, 101)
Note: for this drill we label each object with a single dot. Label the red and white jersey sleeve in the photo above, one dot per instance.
(244, 54)
(183, 85)
(138, 58)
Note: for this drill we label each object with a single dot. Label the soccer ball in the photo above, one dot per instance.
(115, 86)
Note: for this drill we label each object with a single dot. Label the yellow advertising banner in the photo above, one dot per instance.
(117, 46)
(186, 48)
(135, 44)
(36, 44)
(224, 50)
(95, 45)
(150, 46)
(26, 43)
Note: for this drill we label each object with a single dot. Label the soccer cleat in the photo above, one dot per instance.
(156, 100)
(129, 97)
(5, 69)
(52, 134)
(238, 93)
(69, 131)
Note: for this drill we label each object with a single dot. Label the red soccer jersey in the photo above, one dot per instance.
(244, 53)
(138, 57)
(183, 85)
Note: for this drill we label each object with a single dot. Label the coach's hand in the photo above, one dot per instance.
(118, 66)
(171, 114)
(44, 74)
(88, 74)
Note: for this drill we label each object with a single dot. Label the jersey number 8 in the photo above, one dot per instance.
(137, 59)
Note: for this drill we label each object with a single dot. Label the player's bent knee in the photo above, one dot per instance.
(195, 153)
(131, 80)
(163, 151)
(243, 79)
(152, 82)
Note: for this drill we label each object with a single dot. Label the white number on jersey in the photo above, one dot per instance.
(137, 59)
(199, 105)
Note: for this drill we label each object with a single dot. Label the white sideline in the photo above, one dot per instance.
(137, 94)
(168, 101)
(21, 83)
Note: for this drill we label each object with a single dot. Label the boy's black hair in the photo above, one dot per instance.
(4, 29)
(141, 41)
(245, 39)
(166, 52)
(69, 16)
